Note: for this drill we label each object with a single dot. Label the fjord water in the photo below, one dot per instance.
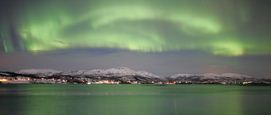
(134, 100)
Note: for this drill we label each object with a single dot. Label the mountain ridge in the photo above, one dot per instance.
(126, 71)
(127, 76)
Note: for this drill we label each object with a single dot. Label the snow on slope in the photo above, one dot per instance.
(212, 75)
(43, 72)
(122, 71)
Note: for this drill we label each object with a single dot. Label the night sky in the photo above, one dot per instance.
(160, 36)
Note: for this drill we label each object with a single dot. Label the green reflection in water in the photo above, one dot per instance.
(98, 99)
(134, 100)
(229, 100)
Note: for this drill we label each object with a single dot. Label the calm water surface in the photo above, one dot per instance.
(134, 100)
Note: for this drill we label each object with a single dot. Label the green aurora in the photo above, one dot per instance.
(212, 26)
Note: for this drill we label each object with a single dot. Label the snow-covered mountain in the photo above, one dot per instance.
(212, 76)
(112, 72)
(127, 75)
(122, 74)
(39, 72)
(122, 71)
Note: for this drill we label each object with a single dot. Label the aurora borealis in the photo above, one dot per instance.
(140, 25)
(217, 28)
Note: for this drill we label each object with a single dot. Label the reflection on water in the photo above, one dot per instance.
(134, 100)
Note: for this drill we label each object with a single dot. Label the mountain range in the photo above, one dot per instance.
(127, 75)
